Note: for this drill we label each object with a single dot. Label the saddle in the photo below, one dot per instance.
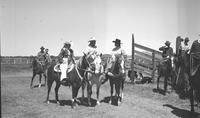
(194, 63)
(57, 67)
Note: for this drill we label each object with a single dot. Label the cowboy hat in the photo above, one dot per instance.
(118, 41)
(42, 48)
(92, 39)
(167, 43)
(187, 39)
(67, 43)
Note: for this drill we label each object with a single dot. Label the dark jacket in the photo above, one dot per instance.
(167, 51)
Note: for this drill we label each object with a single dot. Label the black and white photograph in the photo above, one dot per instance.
(100, 58)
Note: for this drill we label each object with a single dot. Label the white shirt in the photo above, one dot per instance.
(117, 51)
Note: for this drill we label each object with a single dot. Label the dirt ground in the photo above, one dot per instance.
(140, 101)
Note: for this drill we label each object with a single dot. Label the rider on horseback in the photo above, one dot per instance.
(65, 56)
(91, 49)
(47, 55)
(167, 53)
(118, 52)
(41, 56)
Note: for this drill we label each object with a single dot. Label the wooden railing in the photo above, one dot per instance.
(143, 60)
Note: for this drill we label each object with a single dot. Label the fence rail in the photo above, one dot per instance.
(16, 60)
(143, 59)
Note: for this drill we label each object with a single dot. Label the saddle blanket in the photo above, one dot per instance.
(57, 68)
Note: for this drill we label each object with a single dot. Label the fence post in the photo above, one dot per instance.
(153, 62)
(132, 60)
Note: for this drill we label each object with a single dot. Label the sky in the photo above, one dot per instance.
(26, 25)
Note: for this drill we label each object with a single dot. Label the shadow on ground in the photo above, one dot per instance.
(182, 113)
(107, 99)
(160, 91)
(81, 102)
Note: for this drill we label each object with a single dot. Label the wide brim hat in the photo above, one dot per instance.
(118, 41)
(92, 40)
(167, 43)
(187, 39)
(67, 43)
(42, 48)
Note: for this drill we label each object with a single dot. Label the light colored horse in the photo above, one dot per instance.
(94, 77)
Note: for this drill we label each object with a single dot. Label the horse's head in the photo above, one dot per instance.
(98, 64)
(94, 63)
(114, 66)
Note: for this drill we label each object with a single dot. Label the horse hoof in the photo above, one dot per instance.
(118, 103)
(110, 102)
(98, 103)
(47, 101)
(58, 102)
(39, 85)
(122, 96)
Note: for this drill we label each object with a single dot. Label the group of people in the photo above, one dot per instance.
(43, 56)
(66, 55)
(183, 48)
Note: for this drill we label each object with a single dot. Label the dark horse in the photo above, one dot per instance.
(116, 77)
(38, 69)
(164, 70)
(75, 78)
(186, 62)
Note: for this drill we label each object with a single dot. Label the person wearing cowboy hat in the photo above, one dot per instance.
(65, 56)
(91, 49)
(47, 55)
(167, 50)
(41, 56)
(118, 52)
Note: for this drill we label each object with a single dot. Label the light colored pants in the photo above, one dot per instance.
(63, 68)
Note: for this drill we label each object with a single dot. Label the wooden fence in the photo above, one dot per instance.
(143, 60)
(16, 60)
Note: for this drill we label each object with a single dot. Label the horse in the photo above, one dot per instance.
(92, 77)
(38, 69)
(194, 79)
(165, 69)
(75, 78)
(116, 77)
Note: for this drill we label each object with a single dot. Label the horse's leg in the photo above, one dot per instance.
(83, 87)
(97, 92)
(49, 84)
(31, 85)
(158, 80)
(89, 92)
(45, 79)
(165, 83)
(192, 99)
(122, 88)
(56, 91)
(111, 91)
(40, 80)
(117, 89)
(75, 89)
